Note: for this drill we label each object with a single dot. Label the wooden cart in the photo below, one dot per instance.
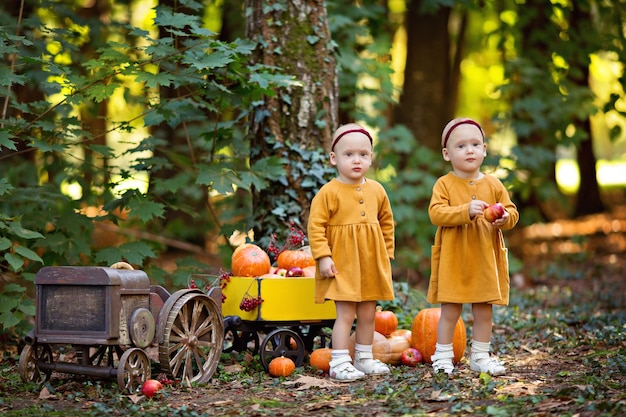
(111, 316)
(287, 323)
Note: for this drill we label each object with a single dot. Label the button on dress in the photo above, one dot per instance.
(354, 225)
(469, 261)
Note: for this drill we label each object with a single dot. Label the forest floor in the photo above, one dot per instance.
(563, 339)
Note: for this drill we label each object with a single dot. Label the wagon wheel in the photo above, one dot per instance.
(314, 337)
(28, 368)
(193, 338)
(240, 340)
(133, 370)
(280, 342)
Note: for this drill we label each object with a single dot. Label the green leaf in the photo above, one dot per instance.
(155, 80)
(18, 230)
(217, 177)
(16, 262)
(13, 288)
(204, 61)
(28, 254)
(6, 141)
(132, 252)
(8, 304)
(5, 243)
(146, 209)
(9, 320)
(5, 187)
(101, 91)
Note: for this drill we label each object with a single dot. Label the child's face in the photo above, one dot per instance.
(465, 150)
(352, 157)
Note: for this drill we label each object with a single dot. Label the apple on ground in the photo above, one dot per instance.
(151, 387)
(411, 357)
(493, 212)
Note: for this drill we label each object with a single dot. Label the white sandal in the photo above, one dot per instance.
(342, 370)
(366, 363)
(482, 362)
(443, 362)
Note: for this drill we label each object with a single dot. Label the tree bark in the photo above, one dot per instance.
(588, 199)
(430, 85)
(293, 36)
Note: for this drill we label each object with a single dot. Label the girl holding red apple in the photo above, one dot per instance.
(469, 257)
(351, 235)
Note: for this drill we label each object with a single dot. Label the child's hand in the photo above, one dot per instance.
(327, 267)
(502, 220)
(476, 207)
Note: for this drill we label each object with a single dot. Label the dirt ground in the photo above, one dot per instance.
(576, 376)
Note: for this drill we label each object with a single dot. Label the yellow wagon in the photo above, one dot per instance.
(287, 322)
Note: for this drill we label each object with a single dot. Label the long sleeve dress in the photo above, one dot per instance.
(354, 225)
(469, 261)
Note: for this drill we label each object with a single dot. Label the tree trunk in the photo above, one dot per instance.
(293, 36)
(427, 100)
(588, 200)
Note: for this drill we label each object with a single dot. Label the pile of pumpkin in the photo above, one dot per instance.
(249, 260)
(397, 346)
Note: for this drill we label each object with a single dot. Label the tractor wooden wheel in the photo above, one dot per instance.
(133, 370)
(193, 337)
(28, 365)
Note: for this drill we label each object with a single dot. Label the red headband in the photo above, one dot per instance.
(365, 132)
(457, 124)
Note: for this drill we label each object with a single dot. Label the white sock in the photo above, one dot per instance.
(362, 348)
(480, 347)
(339, 353)
(439, 348)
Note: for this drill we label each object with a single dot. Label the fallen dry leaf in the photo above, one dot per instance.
(305, 382)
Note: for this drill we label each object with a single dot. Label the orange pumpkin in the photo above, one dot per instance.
(385, 322)
(398, 345)
(281, 366)
(320, 359)
(301, 258)
(424, 334)
(406, 333)
(381, 349)
(250, 260)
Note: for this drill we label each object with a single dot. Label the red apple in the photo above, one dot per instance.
(411, 357)
(295, 271)
(493, 212)
(151, 387)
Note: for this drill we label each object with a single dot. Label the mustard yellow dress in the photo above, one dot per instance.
(469, 261)
(354, 225)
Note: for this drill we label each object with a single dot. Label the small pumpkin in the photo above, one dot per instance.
(385, 322)
(398, 345)
(381, 349)
(249, 260)
(281, 366)
(320, 359)
(300, 258)
(424, 334)
(406, 333)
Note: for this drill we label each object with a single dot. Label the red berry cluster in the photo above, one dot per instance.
(224, 280)
(249, 303)
(192, 284)
(295, 239)
(163, 379)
